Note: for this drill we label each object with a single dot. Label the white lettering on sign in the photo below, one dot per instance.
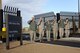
(14, 23)
(13, 31)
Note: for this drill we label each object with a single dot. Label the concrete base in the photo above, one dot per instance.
(71, 39)
(78, 30)
(1, 42)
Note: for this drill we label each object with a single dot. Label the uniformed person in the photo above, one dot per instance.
(55, 29)
(67, 27)
(48, 30)
(41, 29)
(61, 27)
(33, 28)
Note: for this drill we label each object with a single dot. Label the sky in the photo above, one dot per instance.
(29, 8)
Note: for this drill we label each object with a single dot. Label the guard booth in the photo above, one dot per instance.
(11, 25)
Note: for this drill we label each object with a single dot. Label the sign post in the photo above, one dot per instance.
(19, 15)
(7, 35)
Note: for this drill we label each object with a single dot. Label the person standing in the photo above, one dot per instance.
(67, 27)
(33, 28)
(55, 29)
(48, 30)
(61, 27)
(41, 29)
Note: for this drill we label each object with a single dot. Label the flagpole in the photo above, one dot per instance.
(78, 6)
(79, 16)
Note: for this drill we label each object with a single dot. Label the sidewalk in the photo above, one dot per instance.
(38, 48)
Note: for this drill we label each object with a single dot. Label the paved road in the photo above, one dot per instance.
(38, 48)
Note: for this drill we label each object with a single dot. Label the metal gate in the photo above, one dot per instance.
(11, 20)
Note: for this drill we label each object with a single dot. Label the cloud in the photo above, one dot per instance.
(32, 6)
(27, 7)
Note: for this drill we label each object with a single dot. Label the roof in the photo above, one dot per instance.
(69, 13)
(49, 14)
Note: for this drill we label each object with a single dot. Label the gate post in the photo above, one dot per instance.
(1, 19)
(19, 14)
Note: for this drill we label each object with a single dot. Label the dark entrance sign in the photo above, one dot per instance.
(14, 24)
(14, 27)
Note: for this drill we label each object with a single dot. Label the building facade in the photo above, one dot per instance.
(70, 15)
(64, 15)
(45, 16)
